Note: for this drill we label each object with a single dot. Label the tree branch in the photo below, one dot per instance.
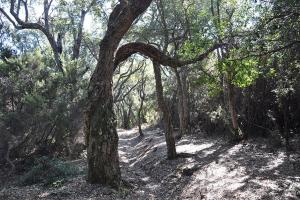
(270, 52)
(9, 18)
(20, 24)
(156, 55)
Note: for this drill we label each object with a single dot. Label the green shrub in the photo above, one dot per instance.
(49, 171)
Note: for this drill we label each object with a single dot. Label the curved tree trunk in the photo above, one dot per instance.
(164, 108)
(100, 130)
(101, 134)
(102, 138)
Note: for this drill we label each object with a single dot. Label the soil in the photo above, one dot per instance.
(206, 168)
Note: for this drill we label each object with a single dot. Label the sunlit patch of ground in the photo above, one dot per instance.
(246, 171)
(213, 169)
(193, 148)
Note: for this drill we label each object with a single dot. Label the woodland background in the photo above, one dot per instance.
(243, 80)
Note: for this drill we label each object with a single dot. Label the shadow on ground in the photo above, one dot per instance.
(207, 168)
(215, 169)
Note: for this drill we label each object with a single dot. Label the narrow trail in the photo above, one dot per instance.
(211, 169)
(216, 169)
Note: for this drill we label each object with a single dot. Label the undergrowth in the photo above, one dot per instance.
(49, 172)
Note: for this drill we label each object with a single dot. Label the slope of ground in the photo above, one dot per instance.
(206, 169)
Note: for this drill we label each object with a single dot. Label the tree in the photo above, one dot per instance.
(56, 44)
(164, 108)
(101, 134)
(53, 32)
(142, 96)
(102, 138)
(60, 119)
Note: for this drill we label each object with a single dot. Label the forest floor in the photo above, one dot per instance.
(208, 168)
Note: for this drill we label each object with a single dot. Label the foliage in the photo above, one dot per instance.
(41, 106)
(244, 72)
(49, 172)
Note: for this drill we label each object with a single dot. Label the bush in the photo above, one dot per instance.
(49, 171)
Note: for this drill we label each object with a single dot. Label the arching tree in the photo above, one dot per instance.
(101, 134)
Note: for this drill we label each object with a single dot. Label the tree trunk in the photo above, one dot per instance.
(140, 116)
(100, 130)
(180, 104)
(126, 117)
(285, 109)
(183, 103)
(232, 109)
(141, 92)
(78, 38)
(102, 138)
(170, 139)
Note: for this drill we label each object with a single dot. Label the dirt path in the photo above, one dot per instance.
(209, 169)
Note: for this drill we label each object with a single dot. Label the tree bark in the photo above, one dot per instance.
(101, 134)
(142, 94)
(170, 139)
(125, 51)
(182, 103)
(285, 113)
(185, 102)
(127, 115)
(140, 117)
(79, 36)
(237, 134)
(102, 138)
